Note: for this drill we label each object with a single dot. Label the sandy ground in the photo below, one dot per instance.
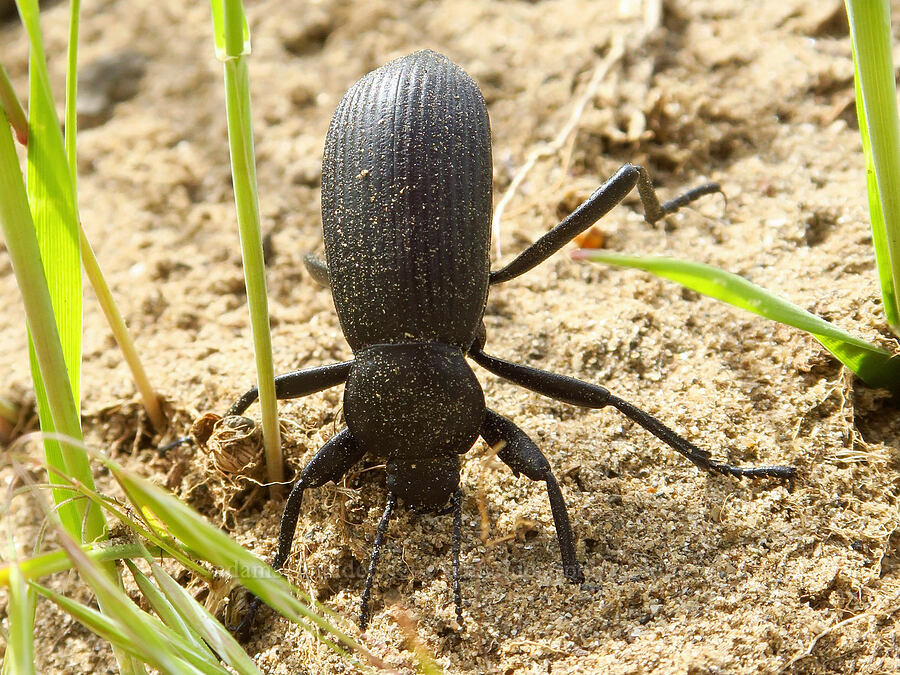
(685, 573)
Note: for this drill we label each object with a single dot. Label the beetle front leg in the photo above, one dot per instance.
(521, 455)
(365, 612)
(587, 395)
(608, 195)
(457, 545)
(330, 463)
(298, 383)
(290, 385)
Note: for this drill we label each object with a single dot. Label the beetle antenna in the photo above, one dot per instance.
(364, 613)
(457, 544)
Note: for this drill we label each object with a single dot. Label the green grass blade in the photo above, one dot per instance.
(93, 620)
(51, 194)
(172, 525)
(140, 521)
(204, 623)
(19, 657)
(121, 334)
(71, 93)
(176, 525)
(57, 561)
(24, 253)
(219, 8)
(52, 199)
(164, 609)
(91, 266)
(139, 627)
(213, 545)
(9, 102)
(71, 513)
(119, 634)
(230, 20)
(43, 132)
(879, 231)
(879, 125)
(874, 365)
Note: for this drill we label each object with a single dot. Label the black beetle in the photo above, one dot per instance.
(406, 211)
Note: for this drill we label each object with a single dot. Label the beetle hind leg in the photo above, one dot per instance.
(521, 455)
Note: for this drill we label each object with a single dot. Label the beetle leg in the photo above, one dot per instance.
(608, 195)
(317, 269)
(576, 392)
(330, 463)
(457, 545)
(521, 455)
(290, 385)
(364, 612)
(298, 383)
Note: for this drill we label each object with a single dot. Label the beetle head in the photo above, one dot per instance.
(425, 485)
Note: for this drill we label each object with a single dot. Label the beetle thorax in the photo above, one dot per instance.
(418, 405)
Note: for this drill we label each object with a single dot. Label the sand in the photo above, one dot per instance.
(686, 573)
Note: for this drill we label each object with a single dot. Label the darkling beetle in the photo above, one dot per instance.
(406, 212)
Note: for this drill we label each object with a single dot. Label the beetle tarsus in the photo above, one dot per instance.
(777, 471)
(700, 458)
(653, 210)
(691, 195)
(571, 568)
(364, 610)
